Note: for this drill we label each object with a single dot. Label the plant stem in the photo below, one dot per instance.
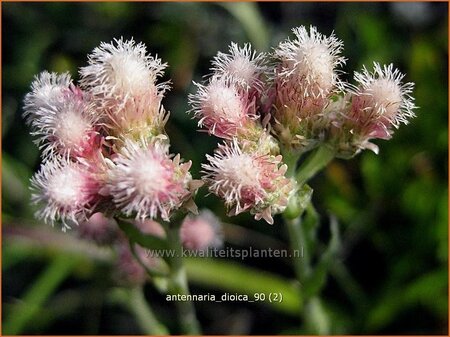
(178, 285)
(314, 163)
(315, 319)
(144, 314)
(42, 288)
(298, 243)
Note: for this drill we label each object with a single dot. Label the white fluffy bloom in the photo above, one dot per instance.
(47, 90)
(65, 191)
(248, 181)
(308, 63)
(145, 182)
(120, 71)
(382, 95)
(221, 107)
(242, 64)
(66, 125)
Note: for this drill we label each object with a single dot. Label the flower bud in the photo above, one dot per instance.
(61, 117)
(248, 181)
(146, 183)
(66, 191)
(201, 231)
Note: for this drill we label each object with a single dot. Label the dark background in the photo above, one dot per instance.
(391, 277)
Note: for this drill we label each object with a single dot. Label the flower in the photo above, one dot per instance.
(201, 231)
(222, 108)
(381, 100)
(248, 181)
(122, 70)
(46, 90)
(139, 119)
(379, 103)
(303, 84)
(307, 64)
(122, 78)
(65, 122)
(65, 190)
(242, 64)
(146, 182)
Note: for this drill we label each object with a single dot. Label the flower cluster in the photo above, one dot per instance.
(104, 148)
(290, 101)
(246, 170)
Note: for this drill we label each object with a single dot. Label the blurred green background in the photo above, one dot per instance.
(391, 276)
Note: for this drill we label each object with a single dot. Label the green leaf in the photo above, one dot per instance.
(57, 271)
(429, 290)
(233, 277)
(145, 240)
(249, 16)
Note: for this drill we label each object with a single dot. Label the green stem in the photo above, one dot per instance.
(144, 314)
(298, 243)
(315, 319)
(178, 285)
(57, 271)
(314, 163)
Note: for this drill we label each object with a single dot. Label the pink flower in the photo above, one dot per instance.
(65, 191)
(381, 101)
(144, 181)
(222, 108)
(122, 70)
(307, 64)
(303, 83)
(128, 271)
(244, 65)
(122, 78)
(46, 90)
(61, 117)
(201, 231)
(248, 181)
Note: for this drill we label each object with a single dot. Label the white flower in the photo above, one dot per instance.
(242, 64)
(221, 107)
(120, 71)
(248, 181)
(65, 126)
(47, 90)
(65, 190)
(308, 63)
(145, 182)
(382, 95)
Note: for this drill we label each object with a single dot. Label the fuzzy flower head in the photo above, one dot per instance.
(65, 124)
(248, 181)
(381, 101)
(308, 63)
(120, 72)
(201, 231)
(221, 108)
(138, 120)
(47, 89)
(242, 64)
(146, 182)
(65, 190)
